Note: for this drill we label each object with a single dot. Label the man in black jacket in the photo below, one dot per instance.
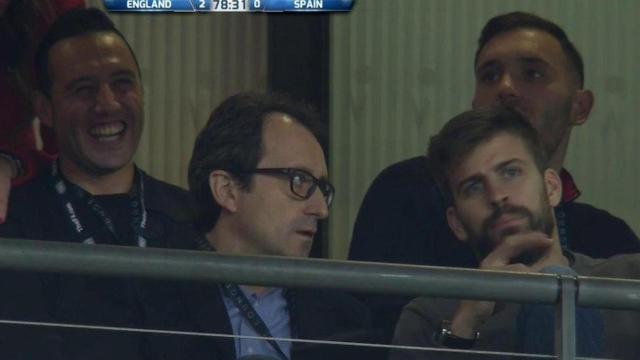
(259, 178)
(524, 62)
(90, 92)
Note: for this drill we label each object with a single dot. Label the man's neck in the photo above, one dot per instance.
(225, 243)
(557, 158)
(116, 182)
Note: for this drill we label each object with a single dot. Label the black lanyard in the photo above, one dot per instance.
(68, 192)
(563, 228)
(233, 292)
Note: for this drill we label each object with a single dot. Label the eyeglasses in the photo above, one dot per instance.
(301, 182)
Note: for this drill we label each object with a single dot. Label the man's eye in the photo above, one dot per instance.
(533, 74)
(472, 189)
(299, 179)
(489, 76)
(83, 90)
(123, 83)
(511, 172)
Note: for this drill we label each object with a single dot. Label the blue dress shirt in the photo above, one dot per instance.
(272, 308)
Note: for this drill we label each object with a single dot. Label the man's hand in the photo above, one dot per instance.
(537, 248)
(7, 172)
(524, 252)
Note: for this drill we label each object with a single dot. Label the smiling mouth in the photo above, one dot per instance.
(307, 233)
(108, 132)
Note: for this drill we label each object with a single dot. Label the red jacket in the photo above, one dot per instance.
(16, 133)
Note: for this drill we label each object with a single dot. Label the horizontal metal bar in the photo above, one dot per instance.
(49, 256)
(609, 293)
(265, 270)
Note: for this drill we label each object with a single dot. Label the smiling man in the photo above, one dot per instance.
(492, 168)
(259, 177)
(90, 92)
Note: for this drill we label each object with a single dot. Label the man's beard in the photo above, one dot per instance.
(551, 125)
(483, 243)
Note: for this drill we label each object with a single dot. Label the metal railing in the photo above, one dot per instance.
(169, 264)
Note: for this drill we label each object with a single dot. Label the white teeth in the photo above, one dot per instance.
(107, 130)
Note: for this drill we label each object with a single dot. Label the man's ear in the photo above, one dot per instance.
(553, 186)
(456, 225)
(224, 190)
(42, 108)
(581, 106)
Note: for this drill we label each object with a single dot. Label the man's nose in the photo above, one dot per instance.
(497, 195)
(507, 90)
(106, 100)
(317, 205)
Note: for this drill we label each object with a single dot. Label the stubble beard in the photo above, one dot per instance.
(484, 242)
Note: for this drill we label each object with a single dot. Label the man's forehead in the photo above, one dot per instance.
(523, 43)
(102, 40)
(489, 153)
(288, 143)
(94, 49)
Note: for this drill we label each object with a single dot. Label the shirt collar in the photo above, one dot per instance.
(570, 190)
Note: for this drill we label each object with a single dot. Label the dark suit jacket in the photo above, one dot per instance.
(319, 315)
(35, 213)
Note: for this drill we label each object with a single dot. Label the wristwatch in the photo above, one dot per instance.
(445, 337)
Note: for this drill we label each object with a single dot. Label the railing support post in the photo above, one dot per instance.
(566, 319)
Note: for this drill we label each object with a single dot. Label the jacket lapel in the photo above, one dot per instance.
(208, 314)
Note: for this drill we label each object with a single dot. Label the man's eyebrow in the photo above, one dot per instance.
(75, 82)
(529, 60)
(487, 64)
(307, 169)
(477, 177)
(124, 73)
(508, 162)
(532, 60)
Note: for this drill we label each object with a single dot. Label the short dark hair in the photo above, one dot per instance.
(461, 135)
(232, 141)
(72, 23)
(522, 20)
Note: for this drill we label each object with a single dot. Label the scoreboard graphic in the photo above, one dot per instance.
(229, 5)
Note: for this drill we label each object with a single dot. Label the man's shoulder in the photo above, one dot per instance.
(36, 189)
(168, 199)
(29, 205)
(407, 183)
(588, 213)
(409, 171)
(625, 266)
(598, 233)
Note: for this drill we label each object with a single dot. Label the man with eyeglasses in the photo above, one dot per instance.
(259, 178)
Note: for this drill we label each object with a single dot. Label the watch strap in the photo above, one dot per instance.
(445, 337)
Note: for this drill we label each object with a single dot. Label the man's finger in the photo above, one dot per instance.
(514, 246)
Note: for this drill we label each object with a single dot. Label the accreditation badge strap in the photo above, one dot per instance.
(66, 190)
(234, 292)
(236, 295)
(563, 228)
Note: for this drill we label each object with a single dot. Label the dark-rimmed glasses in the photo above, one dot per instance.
(301, 182)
